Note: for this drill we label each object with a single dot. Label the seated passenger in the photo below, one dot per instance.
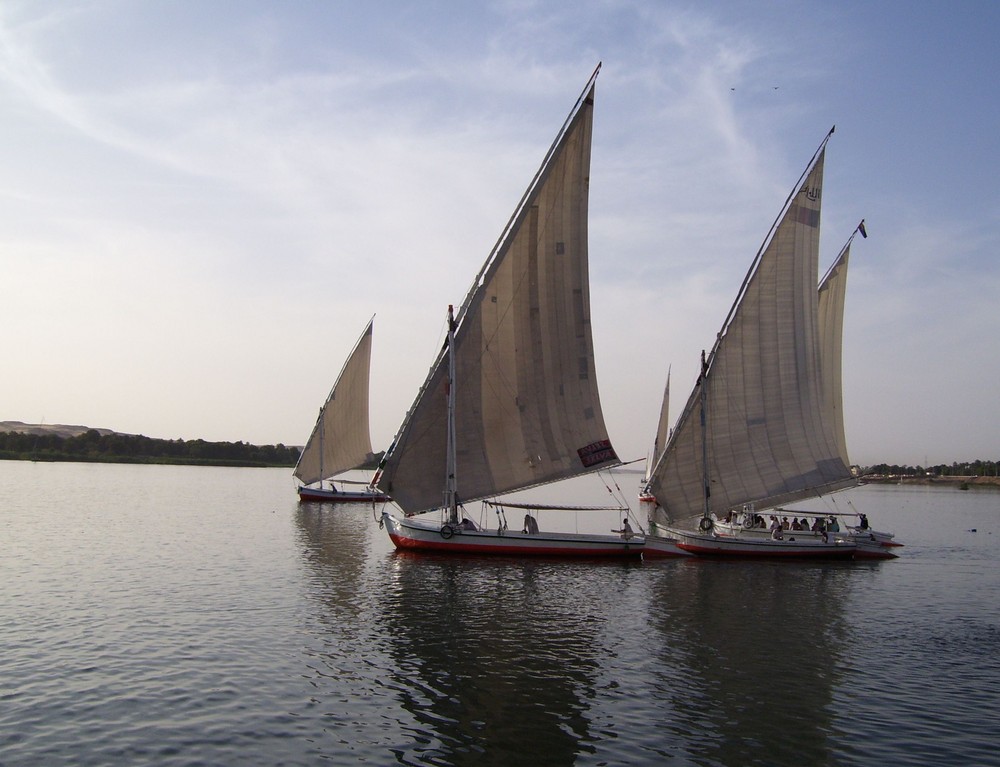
(626, 529)
(795, 524)
(467, 524)
(833, 525)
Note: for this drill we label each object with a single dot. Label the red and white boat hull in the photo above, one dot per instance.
(340, 496)
(661, 547)
(411, 534)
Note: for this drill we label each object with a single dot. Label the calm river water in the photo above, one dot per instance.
(201, 616)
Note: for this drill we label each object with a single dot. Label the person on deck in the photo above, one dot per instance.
(627, 531)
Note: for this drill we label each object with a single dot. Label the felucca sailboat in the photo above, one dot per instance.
(511, 401)
(340, 440)
(763, 425)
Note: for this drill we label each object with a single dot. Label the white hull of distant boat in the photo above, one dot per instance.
(332, 495)
(410, 534)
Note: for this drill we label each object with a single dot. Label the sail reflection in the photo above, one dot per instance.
(335, 549)
(452, 660)
(493, 655)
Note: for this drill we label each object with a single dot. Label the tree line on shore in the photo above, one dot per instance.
(136, 448)
(92, 446)
(978, 468)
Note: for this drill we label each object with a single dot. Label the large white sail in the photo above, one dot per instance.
(766, 438)
(832, 293)
(527, 409)
(341, 439)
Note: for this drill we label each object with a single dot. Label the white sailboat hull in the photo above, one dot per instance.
(711, 544)
(410, 534)
(869, 541)
(663, 546)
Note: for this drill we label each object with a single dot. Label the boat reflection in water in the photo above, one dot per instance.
(493, 656)
(454, 660)
(752, 652)
(336, 546)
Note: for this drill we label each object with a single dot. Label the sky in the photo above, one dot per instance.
(202, 203)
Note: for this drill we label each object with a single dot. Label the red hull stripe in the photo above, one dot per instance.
(548, 551)
(341, 497)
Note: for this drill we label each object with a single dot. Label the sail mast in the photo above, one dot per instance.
(451, 481)
(704, 438)
(322, 449)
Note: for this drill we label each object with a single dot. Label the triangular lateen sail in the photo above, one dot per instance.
(662, 429)
(527, 408)
(341, 439)
(766, 439)
(832, 293)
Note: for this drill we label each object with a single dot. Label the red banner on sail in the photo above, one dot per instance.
(597, 453)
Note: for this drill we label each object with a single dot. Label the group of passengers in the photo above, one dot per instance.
(819, 525)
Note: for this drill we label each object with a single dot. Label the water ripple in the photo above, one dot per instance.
(186, 617)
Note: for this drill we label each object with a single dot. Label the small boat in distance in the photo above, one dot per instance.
(763, 425)
(333, 494)
(659, 544)
(511, 401)
(660, 439)
(340, 441)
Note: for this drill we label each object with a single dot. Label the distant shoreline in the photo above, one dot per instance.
(969, 481)
(144, 460)
(51, 443)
